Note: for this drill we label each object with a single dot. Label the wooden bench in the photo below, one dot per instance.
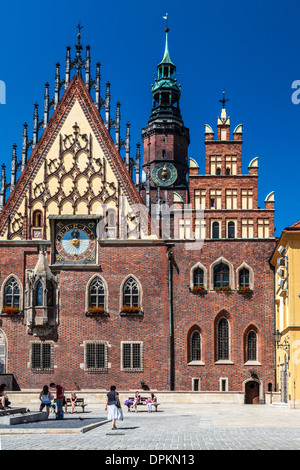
(142, 402)
(80, 402)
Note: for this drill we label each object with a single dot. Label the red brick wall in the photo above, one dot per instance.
(241, 311)
(149, 264)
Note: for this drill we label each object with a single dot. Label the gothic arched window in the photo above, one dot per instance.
(12, 293)
(96, 293)
(251, 346)
(221, 275)
(244, 277)
(195, 346)
(223, 339)
(39, 295)
(131, 293)
(198, 277)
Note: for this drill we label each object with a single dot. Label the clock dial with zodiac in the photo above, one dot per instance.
(75, 241)
(164, 174)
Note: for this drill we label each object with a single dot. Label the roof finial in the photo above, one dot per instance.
(79, 27)
(223, 100)
(166, 18)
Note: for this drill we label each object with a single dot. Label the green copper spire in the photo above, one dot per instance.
(166, 57)
(166, 91)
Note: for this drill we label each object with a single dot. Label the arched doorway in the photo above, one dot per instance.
(252, 392)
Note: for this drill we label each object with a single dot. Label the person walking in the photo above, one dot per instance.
(112, 406)
(59, 399)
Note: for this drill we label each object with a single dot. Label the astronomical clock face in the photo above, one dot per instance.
(164, 174)
(75, 242)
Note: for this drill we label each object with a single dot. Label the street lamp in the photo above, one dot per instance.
(285, 345)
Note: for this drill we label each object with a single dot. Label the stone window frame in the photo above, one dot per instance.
(42, 369)
(95, 369)
(251, 275)
(196, 266)
(231, 272)
(131, 368)
(87, 292)
(6, 280)
(251, 362)
(140, 293)
(222, 315)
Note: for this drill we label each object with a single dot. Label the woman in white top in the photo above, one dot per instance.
(45, 397)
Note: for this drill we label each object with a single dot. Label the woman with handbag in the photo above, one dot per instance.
(112, 406)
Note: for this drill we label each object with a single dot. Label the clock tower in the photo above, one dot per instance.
(165, 138)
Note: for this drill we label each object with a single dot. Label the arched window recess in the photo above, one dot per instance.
(131, 296)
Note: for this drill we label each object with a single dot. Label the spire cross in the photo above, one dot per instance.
(79, 27)
(223, 101)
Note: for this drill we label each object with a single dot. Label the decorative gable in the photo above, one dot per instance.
(75, 169)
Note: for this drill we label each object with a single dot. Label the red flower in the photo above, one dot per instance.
(10, 310)
(96, 309)
(129, 309)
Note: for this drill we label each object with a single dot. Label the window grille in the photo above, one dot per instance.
(131, 293)
(223, 339)
(244, 277)
(252, 346)
(198, 277)
(196, 346)
(95, 356)
(41, 356)
(97, 293)
(221, 275)
(12, 293)
(132, 356)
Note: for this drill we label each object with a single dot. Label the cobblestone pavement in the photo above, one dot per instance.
(173, 428)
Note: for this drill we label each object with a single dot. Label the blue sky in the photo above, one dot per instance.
(250, 49)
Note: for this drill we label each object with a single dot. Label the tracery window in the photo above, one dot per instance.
(96, 293)
(12, 293)
(131, 293)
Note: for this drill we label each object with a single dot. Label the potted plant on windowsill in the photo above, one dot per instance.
(198, 290)
(96, 311)
(244, 290)
(8, 310)
(130, 309)
(223, 289)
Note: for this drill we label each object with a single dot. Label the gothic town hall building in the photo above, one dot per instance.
(127, 270)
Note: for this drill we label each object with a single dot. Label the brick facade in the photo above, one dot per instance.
(155, 344)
